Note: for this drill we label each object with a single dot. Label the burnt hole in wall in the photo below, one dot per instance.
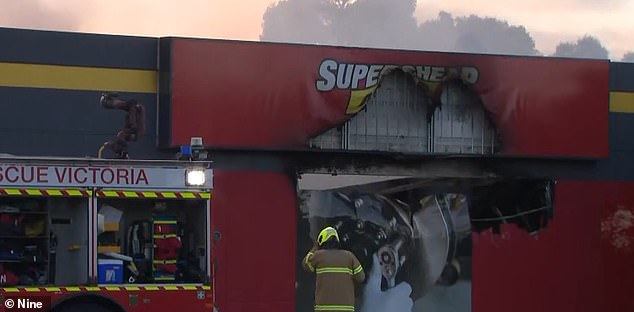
(394, 118)
(461, 123)
(406, 114)
(528, 204)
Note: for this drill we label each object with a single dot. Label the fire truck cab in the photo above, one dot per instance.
(106, 235)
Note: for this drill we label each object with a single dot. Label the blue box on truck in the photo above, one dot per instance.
(110, 271)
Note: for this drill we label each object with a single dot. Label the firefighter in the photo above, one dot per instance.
(337, 270)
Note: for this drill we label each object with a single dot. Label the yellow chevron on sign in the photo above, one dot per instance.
(130, 194)
(169, 195)
(74, 193)
(54, 192)
(13, 191)
(109, 288)
(110, 194)
(46, 192)
(149, 194)
(33, 192)
(188, 195)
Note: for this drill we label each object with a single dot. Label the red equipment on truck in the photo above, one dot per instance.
(106, 235)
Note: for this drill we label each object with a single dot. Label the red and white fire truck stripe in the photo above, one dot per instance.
(64, 289)
(45, 192)
(108, 193)
(149, 194)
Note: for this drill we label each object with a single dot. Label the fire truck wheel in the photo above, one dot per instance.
(87, 303)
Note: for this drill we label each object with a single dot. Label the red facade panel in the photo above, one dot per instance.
(255, 256)
(560, 269)
(617, 232)
(241, 94)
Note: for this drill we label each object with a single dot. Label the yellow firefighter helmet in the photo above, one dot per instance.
(326, 234)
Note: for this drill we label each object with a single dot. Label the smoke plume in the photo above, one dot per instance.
(36, 14)
(585, 47)
(392, 24)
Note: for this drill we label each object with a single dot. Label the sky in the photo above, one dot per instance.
(548, 21)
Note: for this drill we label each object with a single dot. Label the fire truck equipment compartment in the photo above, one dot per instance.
(29, 240)
(160, 236)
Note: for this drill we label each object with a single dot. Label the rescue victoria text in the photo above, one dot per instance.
(16, 174)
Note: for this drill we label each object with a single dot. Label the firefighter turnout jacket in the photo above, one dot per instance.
(336, 272)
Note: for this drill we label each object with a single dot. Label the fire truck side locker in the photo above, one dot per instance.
(107, 235)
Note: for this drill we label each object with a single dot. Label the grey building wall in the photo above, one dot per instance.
(56, 122)
(620, 165)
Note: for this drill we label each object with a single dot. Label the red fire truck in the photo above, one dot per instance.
(106, 235)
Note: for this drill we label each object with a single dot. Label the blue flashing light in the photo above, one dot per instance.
(186, 150)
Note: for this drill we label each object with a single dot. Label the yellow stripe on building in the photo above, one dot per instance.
(52, 289)
(622, 102)
(73, 289)
(93, 288)
(77, 78)
(170, 288)
(189, 287)
(11, 289)
(32, 289)
(113, 288)
(151, 288)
